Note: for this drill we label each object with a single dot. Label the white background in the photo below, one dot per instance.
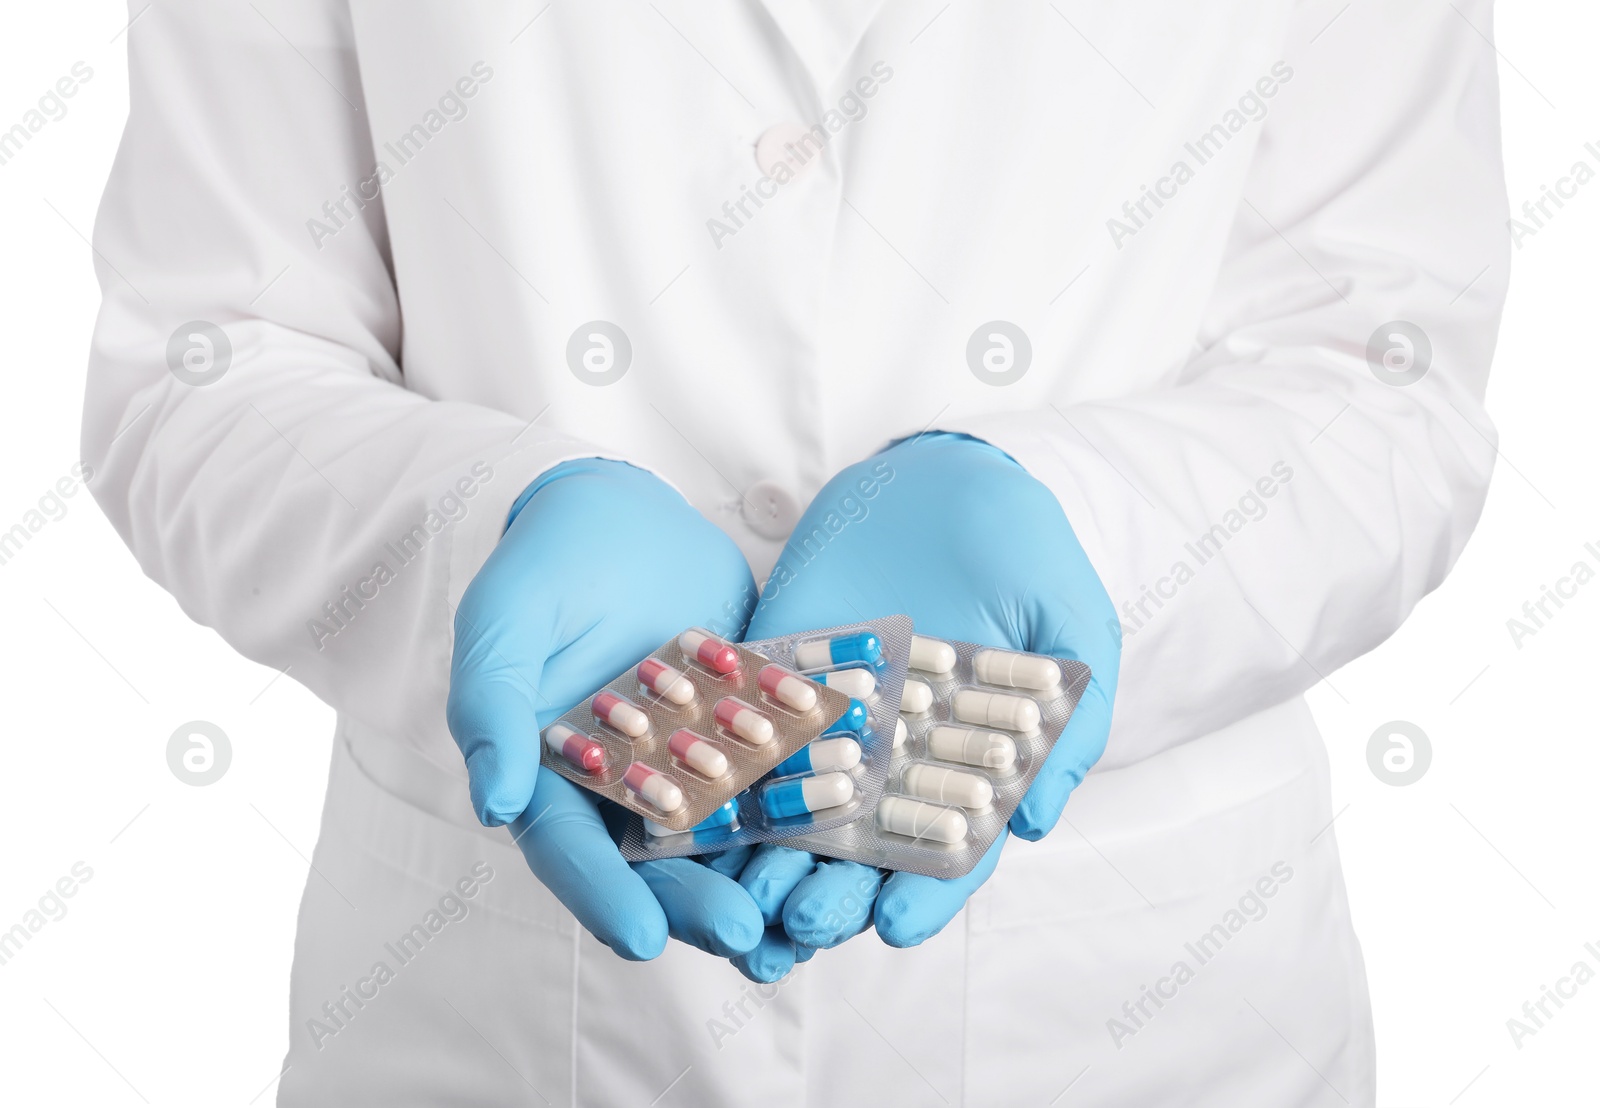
(166, 980)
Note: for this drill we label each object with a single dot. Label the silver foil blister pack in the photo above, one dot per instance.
(690, 726)
(841, 774)
(979, 725)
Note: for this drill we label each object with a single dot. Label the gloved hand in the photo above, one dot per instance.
(959, 537)
(601, 563)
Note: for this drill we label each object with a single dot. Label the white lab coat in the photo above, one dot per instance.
(399, 372)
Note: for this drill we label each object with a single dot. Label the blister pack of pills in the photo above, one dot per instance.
(979, 723)
(827, 782)
(678, 735)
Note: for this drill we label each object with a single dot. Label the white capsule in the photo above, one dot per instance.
(996, 709)
(813, 654)
(989, 749)
(900, 733)
(917, 819)
(1017, 671)
(858, 683)
(789, 689)
(948, 786)
(916, 697)
(932, 655)
(842, 753)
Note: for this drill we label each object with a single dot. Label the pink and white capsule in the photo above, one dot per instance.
(693, 751)
(741, 719)
(575, 747)
(653, 787)
(709, 651)
(788, 689)
(622, 714)
(664, 681)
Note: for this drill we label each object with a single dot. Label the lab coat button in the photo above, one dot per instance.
(787, 144)
(770, 510)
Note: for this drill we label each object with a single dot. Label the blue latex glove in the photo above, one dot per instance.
(600, 564)
(952, 532)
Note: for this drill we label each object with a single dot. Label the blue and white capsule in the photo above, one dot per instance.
(725, 816)
(799, 796)
(853, 721)
(821, 755)
(840, 650)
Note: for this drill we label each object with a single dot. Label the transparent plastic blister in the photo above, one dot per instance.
(849, 762)
(678, 735)
(991, 718)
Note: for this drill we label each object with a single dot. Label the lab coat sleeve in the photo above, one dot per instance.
(318, 514)
(1279, 510)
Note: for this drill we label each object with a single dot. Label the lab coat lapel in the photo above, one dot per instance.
(823, 33)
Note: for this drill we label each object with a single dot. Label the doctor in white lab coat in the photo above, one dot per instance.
(1250, 245)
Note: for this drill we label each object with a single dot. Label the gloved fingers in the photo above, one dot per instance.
(1079, 747)
(730, 862)
(913, 908)
(771, 875)
(565, 842)
(704, 908)
(771, 959)
(832, 904)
